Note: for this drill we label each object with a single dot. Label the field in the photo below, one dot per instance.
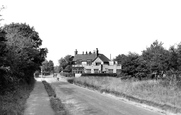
(162, 92)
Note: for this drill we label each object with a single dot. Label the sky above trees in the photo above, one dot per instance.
(115, 27)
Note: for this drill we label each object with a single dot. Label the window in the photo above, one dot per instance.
(106, 63)
(88, 70)
(110, 70)
(96, 70)
(98, 63)
(77, 69)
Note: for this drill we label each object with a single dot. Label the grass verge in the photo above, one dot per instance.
(55, 102)
(13, 102)
(153, 93)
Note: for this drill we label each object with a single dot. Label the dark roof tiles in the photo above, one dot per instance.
(84, 57)
(103, 58)
(92, 57)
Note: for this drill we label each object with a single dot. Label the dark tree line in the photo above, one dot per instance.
(154, 62)
(20, 53)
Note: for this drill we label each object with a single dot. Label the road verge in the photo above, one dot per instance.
(164, 107)
(55, 102)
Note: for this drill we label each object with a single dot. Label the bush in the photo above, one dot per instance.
(67, 74)
(100, 74)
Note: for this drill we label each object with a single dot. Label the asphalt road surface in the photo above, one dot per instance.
(80, 101)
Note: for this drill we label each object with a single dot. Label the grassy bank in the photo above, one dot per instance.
(161, 94)
(13, 101)
(55, 102)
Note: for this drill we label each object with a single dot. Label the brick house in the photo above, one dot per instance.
(94, 63)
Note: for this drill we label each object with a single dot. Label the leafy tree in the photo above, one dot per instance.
(47, 67)
(2, 61)
(62, 64)
(51, 66)
(156, 57)
(173, 59)
(154, 61)
(2, 48)
(24, 56)
(56, 69)
(120, 58)
(130, 64)
(142, 70)
(66, 63)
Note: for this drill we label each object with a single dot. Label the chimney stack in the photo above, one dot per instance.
(76, 52)
(83, 52)
(97, 51)
(86, 53)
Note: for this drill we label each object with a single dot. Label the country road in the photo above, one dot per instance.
(80, 101)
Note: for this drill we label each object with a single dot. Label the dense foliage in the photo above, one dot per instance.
(65, 64)
(20, 54)
(154, 62)
(47, 67)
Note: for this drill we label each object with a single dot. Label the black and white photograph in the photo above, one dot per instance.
(90, 57)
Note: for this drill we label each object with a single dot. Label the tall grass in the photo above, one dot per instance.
(156, 91)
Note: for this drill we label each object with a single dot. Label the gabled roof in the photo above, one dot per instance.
(103, 58)
(92, 57)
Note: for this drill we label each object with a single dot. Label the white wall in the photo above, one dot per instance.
(92, 67)
(114, 67)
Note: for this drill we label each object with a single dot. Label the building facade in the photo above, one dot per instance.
(94, 63)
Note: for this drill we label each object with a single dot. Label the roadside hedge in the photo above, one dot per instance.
(99, 74)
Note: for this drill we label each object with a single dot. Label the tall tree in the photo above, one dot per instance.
(62, 64)
(156, 57)
(130, 64)
(47, 67)
(2, 48)
(66, 63)
(24, 55)
(120, 58)
(51, 66)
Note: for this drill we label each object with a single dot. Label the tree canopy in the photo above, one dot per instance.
(154, 62)
(65, 64)
(48, 67)
(21, 50)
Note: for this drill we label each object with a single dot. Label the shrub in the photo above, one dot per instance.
(100, 74)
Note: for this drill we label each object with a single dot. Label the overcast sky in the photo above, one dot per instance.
(113, 26)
